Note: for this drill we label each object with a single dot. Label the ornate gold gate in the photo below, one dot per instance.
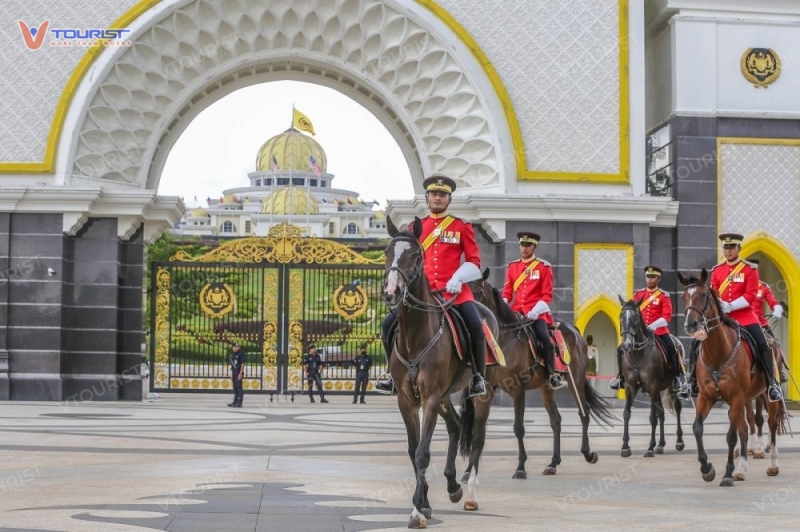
(272, 295)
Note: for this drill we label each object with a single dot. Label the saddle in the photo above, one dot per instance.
(662, 347)
(562, 355)
(462, 338)
(752, 348)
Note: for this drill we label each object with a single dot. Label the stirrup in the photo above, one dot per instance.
(616, 383)
(481, 382)
(560, 382)
(778, 396)
(384, 384)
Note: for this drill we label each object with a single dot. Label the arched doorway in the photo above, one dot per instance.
(599, 318)
(779, 269)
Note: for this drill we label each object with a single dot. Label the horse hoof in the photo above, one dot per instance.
(659, 450)
(708, 477)
(471, 505)
(759, 455)
(749, 451)
(736, 453)
(455, 497)
(680, 446)
(726, 482)
(591, 458)
(767, 448)
(418, 522)
(738, 476)
(549, 470)
(773, 471)
(465, 477)
(649, 453)
(520, 474)
(427, 512)
(625, 453)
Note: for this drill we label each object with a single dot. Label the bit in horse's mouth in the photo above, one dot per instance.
(699, 334)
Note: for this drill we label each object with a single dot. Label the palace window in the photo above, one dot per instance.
(268, 182)
(331, 228)
(313, 182)
(283, 181)
(351, 229)
(228, 227)
(298, 181)
(247, 227)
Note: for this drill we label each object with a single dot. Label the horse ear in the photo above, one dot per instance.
(621, 301)
(417, 227)
(391, 228)
(485, 273)
(683, 280)
(704, 275)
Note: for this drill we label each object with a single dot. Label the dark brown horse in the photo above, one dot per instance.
(724, 372)
(645, 369)
(426, 370)
(520, 374)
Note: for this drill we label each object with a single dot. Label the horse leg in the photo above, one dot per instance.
(518, 396)
(759, 450)
(662, 442)
(702, 409)
(579, 392)
(741, 470)
(736, 421)
(650, 452)
(422, 458)
(482, 407)
(679, 445)
(451, 421)
(748, 410)
(549, 400)
(630, 394)
(776, 417)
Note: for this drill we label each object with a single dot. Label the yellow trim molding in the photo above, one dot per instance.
(599, 303)
(523, 173)
(588, 246)
(64, 102)
(740, 140)
(787, 265)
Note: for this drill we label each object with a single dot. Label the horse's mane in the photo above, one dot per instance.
(504, 312)
(727, 320)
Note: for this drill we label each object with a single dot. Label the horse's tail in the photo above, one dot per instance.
(467, 424)
(783, 418)
(600, 409)
(668, 399)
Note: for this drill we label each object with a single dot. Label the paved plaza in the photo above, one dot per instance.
(189, 463)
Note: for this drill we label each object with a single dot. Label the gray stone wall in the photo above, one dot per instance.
(74, 334)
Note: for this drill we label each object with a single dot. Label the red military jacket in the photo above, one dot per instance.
(535, 286)
(444, 247)
(742, 283)
(654, 305)
(764, 294)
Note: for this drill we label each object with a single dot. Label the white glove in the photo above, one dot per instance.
(539, 308)
(739, 303)
(506, 301)
(453, 286)
(465, 273)
(660, 322)
(725, 306)
(777, 312)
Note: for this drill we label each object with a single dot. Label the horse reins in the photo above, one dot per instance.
(709, 297)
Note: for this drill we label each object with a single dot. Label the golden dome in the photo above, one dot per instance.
(380, 215)
(230, 198)
(290, 200)
(199, 213)
(291, 149)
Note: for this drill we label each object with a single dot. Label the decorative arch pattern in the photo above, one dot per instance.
(591, 307)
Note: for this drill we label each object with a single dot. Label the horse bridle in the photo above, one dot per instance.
(408, 299)
(709, 297)
(638, 346)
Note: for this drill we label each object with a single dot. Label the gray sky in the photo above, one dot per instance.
(219, 147)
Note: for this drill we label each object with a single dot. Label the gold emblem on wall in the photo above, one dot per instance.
(217, 299)
(350, 301)
(761, 66)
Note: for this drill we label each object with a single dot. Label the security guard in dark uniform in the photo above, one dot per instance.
(312, 363)
(237, 360)
(363, 363)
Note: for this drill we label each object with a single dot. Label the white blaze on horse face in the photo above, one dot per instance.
(691, 290)
(391, 279)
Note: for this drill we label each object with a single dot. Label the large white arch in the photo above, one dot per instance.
(395, 58)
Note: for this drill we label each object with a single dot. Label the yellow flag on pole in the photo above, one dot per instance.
(301, 122)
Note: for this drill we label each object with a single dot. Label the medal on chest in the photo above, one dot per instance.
(534, 275)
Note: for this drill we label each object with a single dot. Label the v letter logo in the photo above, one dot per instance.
(34, 37)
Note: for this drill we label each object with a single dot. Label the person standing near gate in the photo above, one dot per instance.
(363, 363)
(237, 360)
(312, 364)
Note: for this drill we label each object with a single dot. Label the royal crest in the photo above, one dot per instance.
(350, 301)
(761, 66)
(217, 299)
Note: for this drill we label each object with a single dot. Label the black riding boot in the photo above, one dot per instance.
(554, 380)
(619, 381)
(384, 383)
(765, 354)
(478, 385)
(691, 388)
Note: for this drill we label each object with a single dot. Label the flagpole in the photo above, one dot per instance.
(308, 201)
(291, 167)
(272, 194)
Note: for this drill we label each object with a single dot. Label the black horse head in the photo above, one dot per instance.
(403, 260)
(631, 323)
